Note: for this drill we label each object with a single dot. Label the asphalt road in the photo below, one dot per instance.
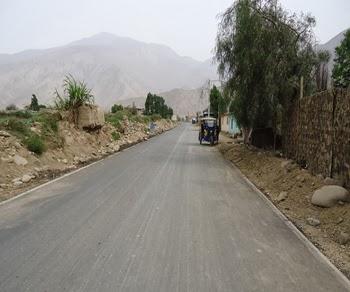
(164, 215)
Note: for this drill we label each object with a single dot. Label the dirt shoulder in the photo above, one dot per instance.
(290, 190)
(21, 169)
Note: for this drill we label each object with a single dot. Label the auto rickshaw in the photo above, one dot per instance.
(209, 131)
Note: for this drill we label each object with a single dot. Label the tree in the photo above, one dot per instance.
(216, 102)
(262, 51)
(34, 105)
(156, 105)
(116, 107)
(341, 71)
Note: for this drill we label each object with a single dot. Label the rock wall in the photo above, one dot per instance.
(317, 133)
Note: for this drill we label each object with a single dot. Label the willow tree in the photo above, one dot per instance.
(262, 51)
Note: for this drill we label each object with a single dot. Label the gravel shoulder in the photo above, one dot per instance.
(290, 190)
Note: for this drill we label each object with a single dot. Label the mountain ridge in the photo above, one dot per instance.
(115, 67)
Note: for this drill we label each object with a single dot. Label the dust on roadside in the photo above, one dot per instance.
(265, 170)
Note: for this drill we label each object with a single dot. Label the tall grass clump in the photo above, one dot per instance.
(76, 94)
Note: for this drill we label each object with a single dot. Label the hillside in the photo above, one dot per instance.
(330, 47)
(115, 67)
(183, 101)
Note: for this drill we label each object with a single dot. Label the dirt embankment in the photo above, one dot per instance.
(290, 188)
(21, 169)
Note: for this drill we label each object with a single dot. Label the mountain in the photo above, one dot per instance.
(330, 47)
(182, 101)
(115, 67)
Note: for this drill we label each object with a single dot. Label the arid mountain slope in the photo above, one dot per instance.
(115, 67)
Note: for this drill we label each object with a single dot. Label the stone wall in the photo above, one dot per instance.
(317, 133)
(90, 117)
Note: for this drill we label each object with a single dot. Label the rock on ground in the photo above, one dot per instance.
(282, 197)
(344, 238)
(20, 161)
(26, 178)
(313, 222)
(328, 196)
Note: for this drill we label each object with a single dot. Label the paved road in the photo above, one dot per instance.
(165, 215)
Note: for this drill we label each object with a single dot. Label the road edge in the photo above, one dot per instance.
(312, 248)
(27, 192)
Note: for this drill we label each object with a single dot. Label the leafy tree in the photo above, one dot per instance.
(214, 99)
(116, 107)
(341, 71)
(34, 105)
(262, 51)
(156, 105)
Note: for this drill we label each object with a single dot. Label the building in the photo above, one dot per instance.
(229, 124)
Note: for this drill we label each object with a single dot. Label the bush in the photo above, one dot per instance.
(35, 144)
(18, 126)
(11, 107)
(115, 136)
(49, 121)
(156, 117)
(116, 107)
(22, 114)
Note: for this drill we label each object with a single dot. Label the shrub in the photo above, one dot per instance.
(116, 107)
(22, 114)
(35, 144)
(49, 121)
(11, 107)
(76, 94)
(115, 136)
(156, 117)
(18, 126)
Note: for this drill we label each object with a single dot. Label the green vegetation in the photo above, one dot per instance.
(115, 135)
(35, 144)
(11, 107)
(341, 71)
(19, 124)
(156, 105)
(116, 107)
(262, 52)
(218, 104)
(76, 94)
(34, 105)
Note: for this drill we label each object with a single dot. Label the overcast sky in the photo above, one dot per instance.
(188, 26)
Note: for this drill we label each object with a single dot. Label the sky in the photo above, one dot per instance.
(187, 26)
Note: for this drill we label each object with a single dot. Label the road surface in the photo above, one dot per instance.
(164, 215)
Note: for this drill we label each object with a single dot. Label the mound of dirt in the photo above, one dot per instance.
(290, 188)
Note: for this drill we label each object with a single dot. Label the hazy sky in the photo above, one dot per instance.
(188, 26)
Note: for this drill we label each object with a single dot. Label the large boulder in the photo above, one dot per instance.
(90, 117)
(329, 196)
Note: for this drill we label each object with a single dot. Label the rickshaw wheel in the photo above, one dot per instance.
(211, 141)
